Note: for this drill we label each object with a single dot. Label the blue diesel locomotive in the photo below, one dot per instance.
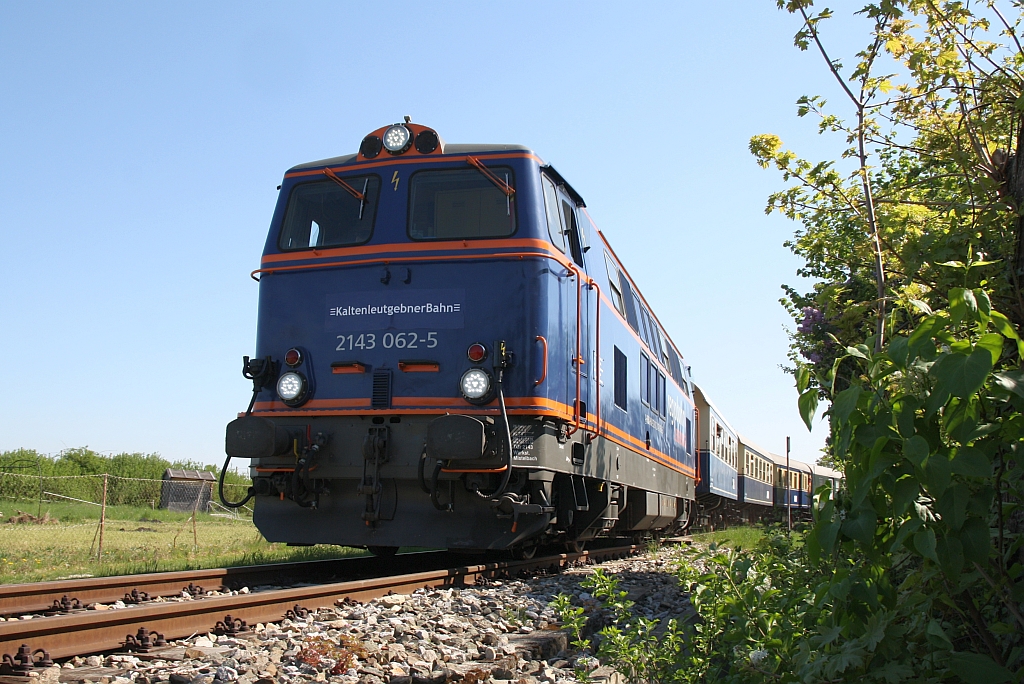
(450, 355)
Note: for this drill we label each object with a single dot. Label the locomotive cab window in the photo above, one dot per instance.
(555, 230)
(460, 204)
(329, 214)
(572, 228)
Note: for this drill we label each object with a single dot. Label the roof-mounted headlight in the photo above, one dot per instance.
(397, 139)
(370, 147)
(292, 388)
(476, 386)
(426, 142)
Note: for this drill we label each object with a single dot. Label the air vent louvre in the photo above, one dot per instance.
(381, 389)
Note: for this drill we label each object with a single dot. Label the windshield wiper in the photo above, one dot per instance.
(501, 184)
(361, 196)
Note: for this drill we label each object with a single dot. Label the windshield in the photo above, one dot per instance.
(327, 214)
(460, 204)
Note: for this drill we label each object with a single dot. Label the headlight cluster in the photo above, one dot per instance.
(397, 139)
(292, 387)
(476, 386)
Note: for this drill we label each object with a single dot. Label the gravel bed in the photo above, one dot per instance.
(496, 632)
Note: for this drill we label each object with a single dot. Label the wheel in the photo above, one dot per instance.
(382, 551)
(575, 546)
(524, 552)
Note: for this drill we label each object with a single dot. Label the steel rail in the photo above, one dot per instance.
(38, 597)
(98, 631)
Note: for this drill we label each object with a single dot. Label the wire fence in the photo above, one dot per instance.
(71, 521)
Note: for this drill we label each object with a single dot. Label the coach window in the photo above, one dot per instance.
(613, 284)
(555, 230)
(620, 379)
(460, 204)
(330, 214)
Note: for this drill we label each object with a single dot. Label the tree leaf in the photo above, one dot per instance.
(1003, 325)
(916, 449)
(803, 377)
(844, 404)
(922, 306)
(935, 630)
(1012, 381)
(975, 668)
(972, 462)
(860, 525)
(952, 505)
(962, 375)
(853, 351)
(922, 335)
(907, 490)
(976, 540)
(958, 308)
(898, 351)
(808, 404)
(984, 305)
(993, 342)
(937, 472)
(951, 556)
(924, 542)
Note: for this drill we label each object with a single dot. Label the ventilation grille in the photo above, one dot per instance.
(381, 389)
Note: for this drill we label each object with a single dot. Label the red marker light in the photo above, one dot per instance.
(293, 357)
(476, 352)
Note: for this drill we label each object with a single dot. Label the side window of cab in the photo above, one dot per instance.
(563, 225)
(555, 230)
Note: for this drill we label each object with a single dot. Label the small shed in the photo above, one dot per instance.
(187, 490)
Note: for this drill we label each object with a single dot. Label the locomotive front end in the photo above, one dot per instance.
(394, 381)
(434, 326)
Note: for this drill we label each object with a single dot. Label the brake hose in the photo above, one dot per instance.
(220, 489)
(508, 433)
(223, 471)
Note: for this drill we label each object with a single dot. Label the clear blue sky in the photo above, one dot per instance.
(141, 145)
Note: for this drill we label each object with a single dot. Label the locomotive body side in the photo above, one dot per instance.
(420, 315)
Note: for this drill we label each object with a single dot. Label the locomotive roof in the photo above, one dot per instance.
(448, 149)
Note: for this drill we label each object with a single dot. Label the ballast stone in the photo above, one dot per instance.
(429, 637)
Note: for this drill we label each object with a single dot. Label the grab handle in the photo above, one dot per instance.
(544, 368)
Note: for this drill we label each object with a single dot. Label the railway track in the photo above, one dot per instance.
(40, 597)
(91, 631)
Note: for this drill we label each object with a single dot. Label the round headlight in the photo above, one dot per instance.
(370, 147)
(291, 387)
(476, 386)
(426, 142)
(397, 139)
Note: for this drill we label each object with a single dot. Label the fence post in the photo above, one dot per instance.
(39, 468)
(103, 517)
(195, 507)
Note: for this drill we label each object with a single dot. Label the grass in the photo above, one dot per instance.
(135, 540)
(745, 537)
